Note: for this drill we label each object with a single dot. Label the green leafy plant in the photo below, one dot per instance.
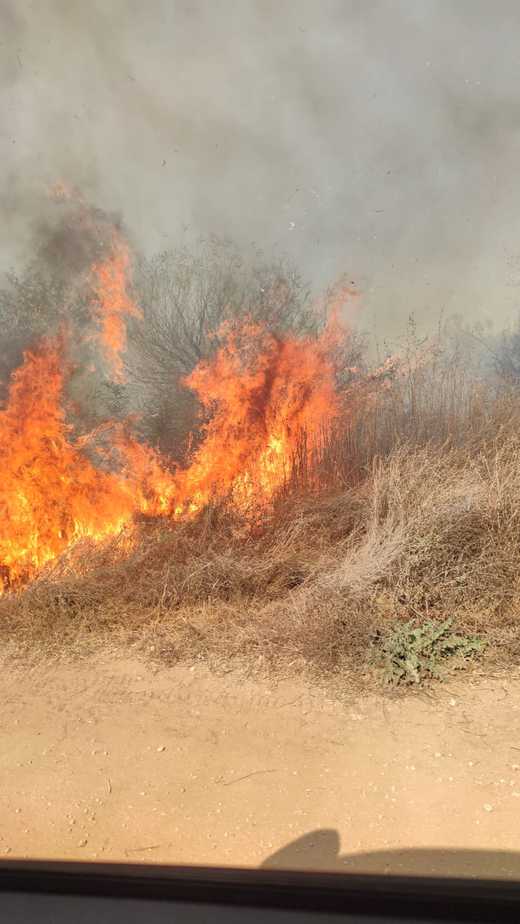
(413, 653)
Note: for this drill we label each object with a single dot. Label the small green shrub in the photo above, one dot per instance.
(413, 653)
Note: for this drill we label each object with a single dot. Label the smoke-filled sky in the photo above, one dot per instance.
(379, 138)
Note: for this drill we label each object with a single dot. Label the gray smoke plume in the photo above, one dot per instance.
(55, 296)
(362, 136)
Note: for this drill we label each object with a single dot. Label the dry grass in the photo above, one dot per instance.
(431, 532)
(419, 518)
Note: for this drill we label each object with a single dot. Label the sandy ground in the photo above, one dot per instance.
(111, 760)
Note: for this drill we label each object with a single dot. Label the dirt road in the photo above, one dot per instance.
(111, 760)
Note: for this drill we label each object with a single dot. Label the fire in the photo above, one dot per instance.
(51, 493)
(260, 394)
(113, 305)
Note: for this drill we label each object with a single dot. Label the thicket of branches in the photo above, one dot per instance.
(185, 296)
(439, 387)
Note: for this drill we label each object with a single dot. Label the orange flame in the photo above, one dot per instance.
(259, 395)
(113, 305)
(50, 493)
(263, 394)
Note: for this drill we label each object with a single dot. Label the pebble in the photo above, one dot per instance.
(487, 807)
(82, 843)
(162, 747)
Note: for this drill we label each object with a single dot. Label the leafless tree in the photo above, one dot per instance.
(184, 296)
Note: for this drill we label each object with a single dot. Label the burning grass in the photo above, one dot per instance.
(431, 533)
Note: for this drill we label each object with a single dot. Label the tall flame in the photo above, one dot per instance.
(262, 394)
(50, 493)
(259, 394)
(113, 305)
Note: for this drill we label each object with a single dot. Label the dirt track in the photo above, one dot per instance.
(116, 762)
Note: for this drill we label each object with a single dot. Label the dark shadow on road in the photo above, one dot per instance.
(320, 850)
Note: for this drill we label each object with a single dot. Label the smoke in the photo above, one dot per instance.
(58, 297)
(369, 137)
